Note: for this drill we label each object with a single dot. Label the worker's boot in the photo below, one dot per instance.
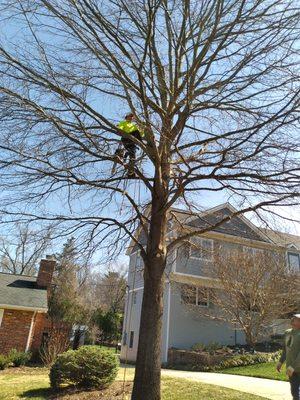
(119, 154)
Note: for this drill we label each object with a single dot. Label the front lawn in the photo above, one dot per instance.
(33, 383)
(264, 370)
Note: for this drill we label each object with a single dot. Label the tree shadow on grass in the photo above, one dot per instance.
(48, 393)
(45, 393)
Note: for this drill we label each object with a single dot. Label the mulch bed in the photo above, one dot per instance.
(114, 392)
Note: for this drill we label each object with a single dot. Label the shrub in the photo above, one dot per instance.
(18, 358)
(4, 362)
(87, 367)
(211, 347)
(198, 347)
(230, 362)
(56, 343)
(248, 359)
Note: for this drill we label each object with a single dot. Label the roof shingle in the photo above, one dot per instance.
(21, 291)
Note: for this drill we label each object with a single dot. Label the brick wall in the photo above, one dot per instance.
(14, 330)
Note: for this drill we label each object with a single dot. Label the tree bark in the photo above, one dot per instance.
(148, 364)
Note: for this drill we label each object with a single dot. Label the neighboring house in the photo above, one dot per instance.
(23, 308)
(188, 265)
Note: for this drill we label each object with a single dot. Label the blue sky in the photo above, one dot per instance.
(114, 110)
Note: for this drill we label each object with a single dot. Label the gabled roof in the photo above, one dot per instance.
(283, 239)
(21, 292)
(237, 225)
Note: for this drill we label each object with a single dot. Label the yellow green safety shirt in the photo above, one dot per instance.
(129, 127)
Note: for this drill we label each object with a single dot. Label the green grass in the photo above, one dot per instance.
(24, 383)
(264, 370)
(182, 389)
(33, 383)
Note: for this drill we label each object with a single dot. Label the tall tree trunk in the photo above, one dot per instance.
(148, 364)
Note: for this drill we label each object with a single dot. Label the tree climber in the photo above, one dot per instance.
(129, 148)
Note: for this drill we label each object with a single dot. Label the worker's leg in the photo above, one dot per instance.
(131, 151)
(295, 386)
(120, 152)
(137, 135)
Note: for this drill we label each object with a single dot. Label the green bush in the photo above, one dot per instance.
(18, 358)
(87, 367)
(210, 348)
(198, 347)
(248, 359)
(4, 362)
(213, 346)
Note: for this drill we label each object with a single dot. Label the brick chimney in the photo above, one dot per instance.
(45, 273)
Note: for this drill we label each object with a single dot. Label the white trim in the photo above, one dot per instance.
(168, 322)
(236, 239)
(205, 281)
(136, 289)
(22, 308)
(196, 276)
(30, 331)
(1, 316)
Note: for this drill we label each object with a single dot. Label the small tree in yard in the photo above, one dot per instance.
(213, 84)
(252, 290)
(66, 303)
(107, 290)
(108, 324)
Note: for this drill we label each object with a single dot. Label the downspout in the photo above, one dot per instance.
(30, 331)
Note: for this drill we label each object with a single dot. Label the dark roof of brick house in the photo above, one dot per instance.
(21, 292)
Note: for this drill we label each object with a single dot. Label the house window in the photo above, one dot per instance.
(134, 297)
(201, 249)
(131, 339)
(253, 252)
(138, 261)
(294, 262)
(198, 296)
(124, 338)
(203, 297)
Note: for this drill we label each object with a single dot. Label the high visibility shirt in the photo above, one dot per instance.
(129, 127)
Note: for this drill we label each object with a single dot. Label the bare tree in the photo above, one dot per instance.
(253, 290)
(109, 290)
(215, 87)
(22, 250)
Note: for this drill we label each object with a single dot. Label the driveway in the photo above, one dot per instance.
(270, 389)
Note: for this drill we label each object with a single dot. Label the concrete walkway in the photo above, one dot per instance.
(270, 389)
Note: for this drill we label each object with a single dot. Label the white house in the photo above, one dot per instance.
(182, 329)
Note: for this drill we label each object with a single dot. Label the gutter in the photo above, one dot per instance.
(23, 308)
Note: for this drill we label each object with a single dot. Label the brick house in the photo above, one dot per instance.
(23, 308)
